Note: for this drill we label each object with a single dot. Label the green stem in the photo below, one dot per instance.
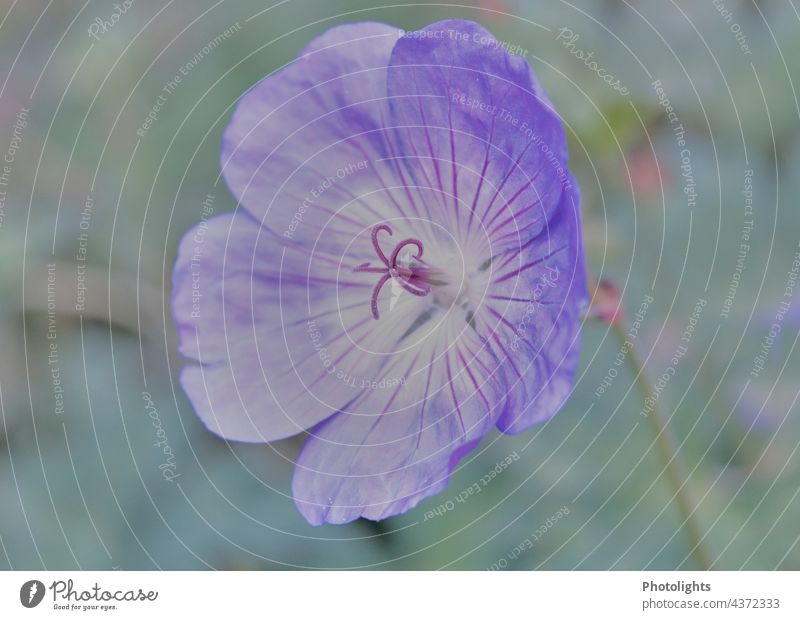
(676, 472)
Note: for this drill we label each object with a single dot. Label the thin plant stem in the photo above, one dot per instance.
(675, 470)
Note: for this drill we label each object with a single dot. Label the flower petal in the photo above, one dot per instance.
(307, 148)
(536, 317)
(399, 443)
(284, 337)
(475, 123)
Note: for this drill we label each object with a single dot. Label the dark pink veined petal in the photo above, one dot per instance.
(283, 336)
(401, 440)
(534, 307)
(474, 122)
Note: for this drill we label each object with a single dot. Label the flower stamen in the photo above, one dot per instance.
(412, 279)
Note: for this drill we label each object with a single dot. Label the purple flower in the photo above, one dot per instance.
(405, 272)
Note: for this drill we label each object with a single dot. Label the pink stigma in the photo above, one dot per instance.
(411, 279)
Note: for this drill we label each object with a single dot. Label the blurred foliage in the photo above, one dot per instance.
(83, 488)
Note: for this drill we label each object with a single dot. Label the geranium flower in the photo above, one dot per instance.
(405, 270)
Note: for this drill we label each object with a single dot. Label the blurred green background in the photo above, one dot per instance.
(80, 482)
